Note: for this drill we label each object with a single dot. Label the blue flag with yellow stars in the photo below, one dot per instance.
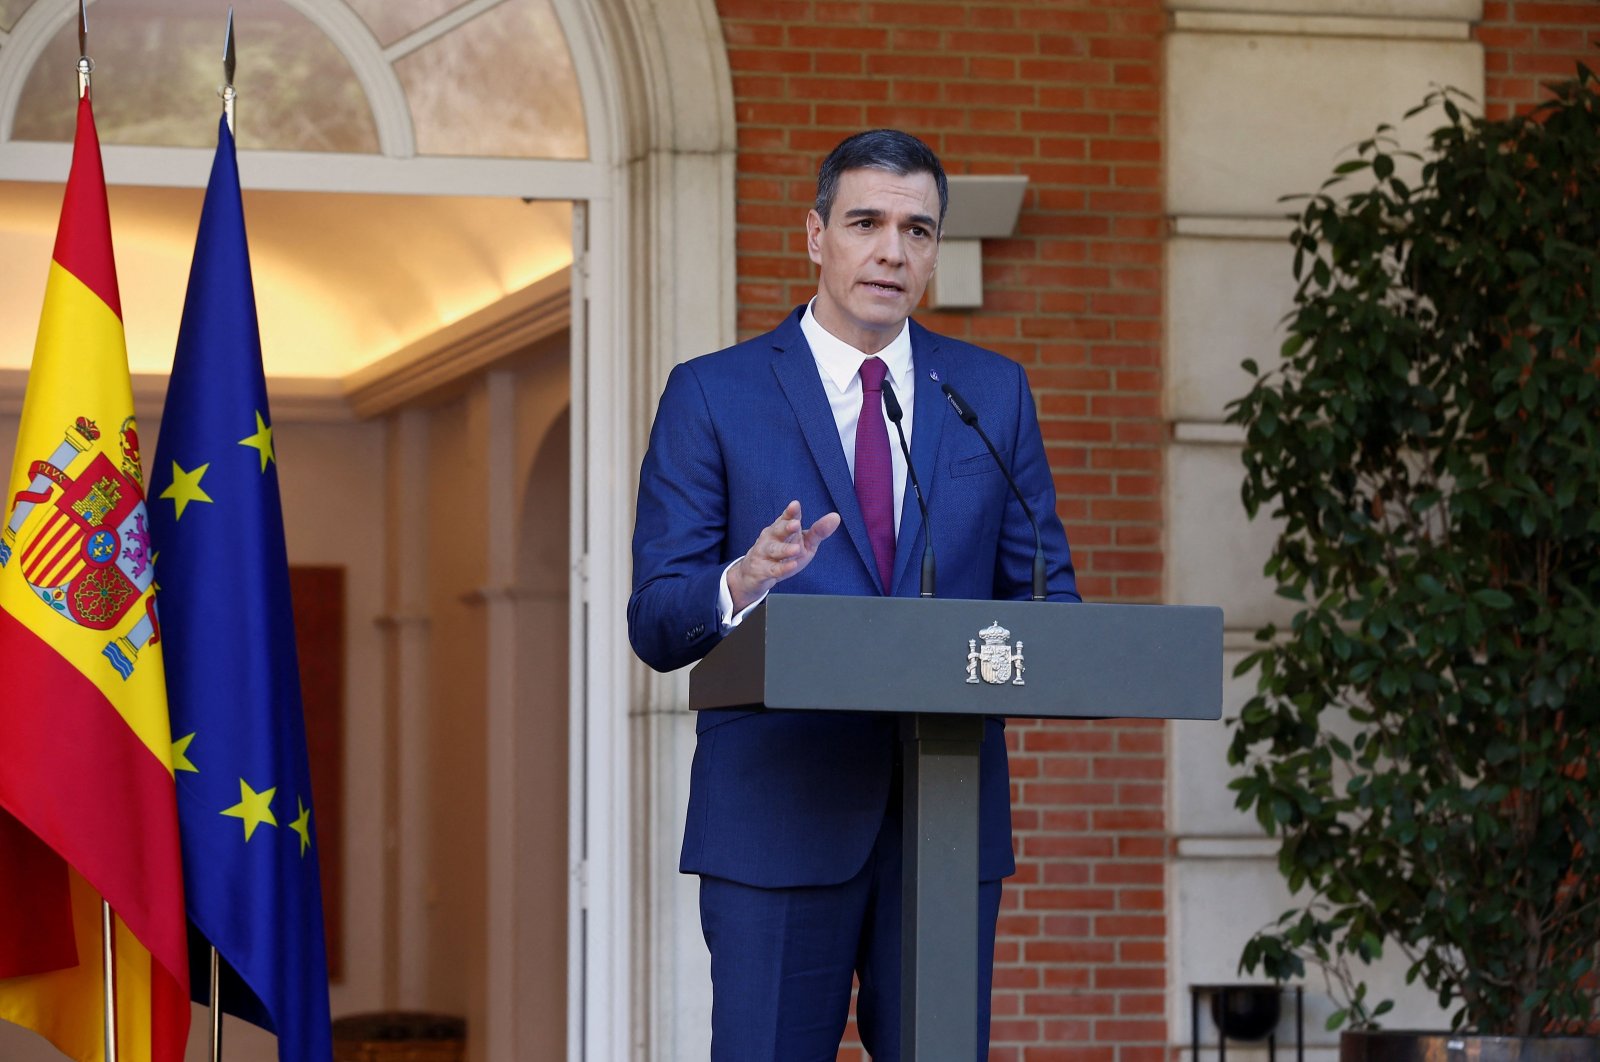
(245, 813)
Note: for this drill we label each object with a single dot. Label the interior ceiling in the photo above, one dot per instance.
(341, 280)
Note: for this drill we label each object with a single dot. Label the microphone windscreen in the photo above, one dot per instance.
(959, 404)
(891, 404)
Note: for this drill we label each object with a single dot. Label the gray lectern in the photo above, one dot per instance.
(957, 661)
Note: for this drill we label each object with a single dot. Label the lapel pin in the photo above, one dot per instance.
(933, 374)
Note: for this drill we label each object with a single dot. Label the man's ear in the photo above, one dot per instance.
(814, 227)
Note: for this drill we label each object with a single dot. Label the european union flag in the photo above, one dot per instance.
(245, 812)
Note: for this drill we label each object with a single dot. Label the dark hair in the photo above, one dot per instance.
(879, 149)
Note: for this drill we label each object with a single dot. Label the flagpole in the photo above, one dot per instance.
(216, 960)
(228, 96)
(108, 955)
(216, 1007)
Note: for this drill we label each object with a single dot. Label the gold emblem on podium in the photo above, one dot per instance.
(996, 661)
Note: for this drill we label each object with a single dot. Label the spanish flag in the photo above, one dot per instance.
(87, 804)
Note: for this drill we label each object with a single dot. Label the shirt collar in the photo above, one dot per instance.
(841, 362)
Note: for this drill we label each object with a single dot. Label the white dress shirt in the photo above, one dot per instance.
(839, 366)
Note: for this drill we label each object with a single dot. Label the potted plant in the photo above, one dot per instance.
(1423, 736)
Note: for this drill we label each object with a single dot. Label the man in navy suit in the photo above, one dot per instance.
(794, 818)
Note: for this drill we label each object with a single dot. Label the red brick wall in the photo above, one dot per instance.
(1080, 967)
(1067, 92)
(1530, 43)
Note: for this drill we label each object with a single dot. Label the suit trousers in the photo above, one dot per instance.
(782, 961)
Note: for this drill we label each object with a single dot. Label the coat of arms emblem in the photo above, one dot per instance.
(83, 540)
(995, 660)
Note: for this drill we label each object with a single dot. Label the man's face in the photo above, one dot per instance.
(876, 254)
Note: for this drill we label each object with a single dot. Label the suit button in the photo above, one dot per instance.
(697, 631)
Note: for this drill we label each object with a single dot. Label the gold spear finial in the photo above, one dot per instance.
(229, 61)
(85, 64)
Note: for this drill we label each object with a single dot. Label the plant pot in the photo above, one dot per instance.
(1246, 1012)
(1402, 1045)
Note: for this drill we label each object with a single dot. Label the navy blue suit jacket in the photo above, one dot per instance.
(794, 798)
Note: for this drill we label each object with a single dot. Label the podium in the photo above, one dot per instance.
(943, 664)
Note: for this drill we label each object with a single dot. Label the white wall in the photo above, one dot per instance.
(478, 593)
(1262, 99)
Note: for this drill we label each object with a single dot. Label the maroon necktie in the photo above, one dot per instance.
(874, 473)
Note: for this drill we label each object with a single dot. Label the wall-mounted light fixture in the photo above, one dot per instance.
(981, 206)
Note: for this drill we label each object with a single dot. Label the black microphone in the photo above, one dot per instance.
(891, 406)
(969, 417)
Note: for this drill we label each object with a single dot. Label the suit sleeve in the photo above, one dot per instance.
(1031, 469)
(680, 531)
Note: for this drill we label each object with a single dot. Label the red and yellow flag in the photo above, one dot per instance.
(87, 803)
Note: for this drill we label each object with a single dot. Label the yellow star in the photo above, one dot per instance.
(254, 808)
(185, 487)
(302, 826)
(180, 755)
(261, 440)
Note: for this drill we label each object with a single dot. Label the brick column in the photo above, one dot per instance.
(1529, 43)
(1067, 92)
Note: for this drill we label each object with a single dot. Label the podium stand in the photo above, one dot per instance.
(942, 665)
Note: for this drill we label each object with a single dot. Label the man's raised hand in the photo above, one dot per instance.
(784, 547)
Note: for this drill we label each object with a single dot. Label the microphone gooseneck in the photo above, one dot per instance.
(969, 417)
(891, 407)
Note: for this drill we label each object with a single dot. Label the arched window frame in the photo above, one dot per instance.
(395, 168)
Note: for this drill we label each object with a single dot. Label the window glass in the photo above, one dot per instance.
(10, 11)
(390, 20)
(158, 64)
(500, 85)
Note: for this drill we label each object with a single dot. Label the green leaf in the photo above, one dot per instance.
(1490, 598)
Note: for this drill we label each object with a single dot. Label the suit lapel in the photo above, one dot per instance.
(796, 371)
(927, 427)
